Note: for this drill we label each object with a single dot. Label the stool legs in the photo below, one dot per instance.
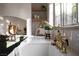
(47, 36)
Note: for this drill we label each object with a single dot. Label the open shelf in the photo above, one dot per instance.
(38, 20)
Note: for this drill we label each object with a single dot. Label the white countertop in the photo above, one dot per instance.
(36, 39)
(35, 45)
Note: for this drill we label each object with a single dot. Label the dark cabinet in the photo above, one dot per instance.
(2, 44)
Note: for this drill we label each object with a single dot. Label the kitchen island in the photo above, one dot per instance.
(32, 46)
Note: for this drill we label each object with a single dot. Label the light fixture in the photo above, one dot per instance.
(7, 21)
(12, 29)
(1, 24)
(1, 18)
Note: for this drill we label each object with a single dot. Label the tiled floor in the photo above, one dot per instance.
(54, 51)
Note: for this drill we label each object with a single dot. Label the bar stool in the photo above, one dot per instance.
(47, 35)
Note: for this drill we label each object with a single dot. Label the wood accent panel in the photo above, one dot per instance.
(38, 20)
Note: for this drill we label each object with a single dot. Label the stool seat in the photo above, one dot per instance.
(47, 36)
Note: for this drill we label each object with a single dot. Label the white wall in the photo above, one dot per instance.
(14, 9)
